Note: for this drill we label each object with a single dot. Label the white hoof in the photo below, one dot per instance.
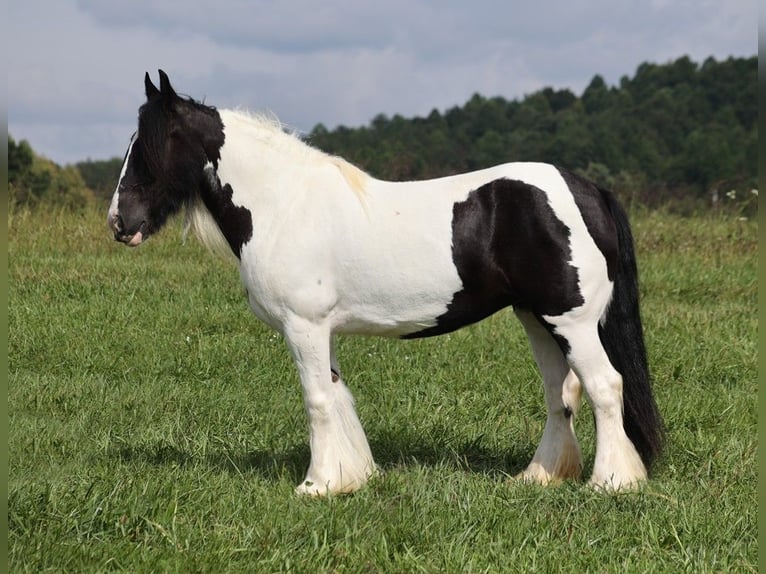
(558, 457)
(329, 487)
(565, 470)
(613, 483)
(310, 488)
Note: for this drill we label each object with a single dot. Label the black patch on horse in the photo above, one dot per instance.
(560, 340)
(509, 248)
(598, 219)
(235, 222)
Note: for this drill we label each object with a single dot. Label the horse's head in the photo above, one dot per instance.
(165, 163)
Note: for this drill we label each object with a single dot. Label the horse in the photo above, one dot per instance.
(324, 248)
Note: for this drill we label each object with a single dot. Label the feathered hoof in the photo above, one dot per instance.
(331, 487)
(614, 484)
(536, 474)
(315, 490)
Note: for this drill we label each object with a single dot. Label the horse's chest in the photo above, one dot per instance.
(286, 278)
(261, 285)
(263, 312)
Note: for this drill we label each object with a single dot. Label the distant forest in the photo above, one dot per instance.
(670, 135)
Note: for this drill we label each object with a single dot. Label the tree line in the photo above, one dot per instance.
(672, 133)
(35, 181)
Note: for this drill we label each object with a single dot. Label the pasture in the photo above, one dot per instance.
(156, 425)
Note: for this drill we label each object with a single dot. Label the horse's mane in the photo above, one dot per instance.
(290, 142)
(200, 221)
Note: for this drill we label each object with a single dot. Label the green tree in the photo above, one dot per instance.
(670, 129)
(37, 182)
(100, 176)
(595, 98)
(20, 158)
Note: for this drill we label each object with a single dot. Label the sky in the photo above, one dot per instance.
(76, 67)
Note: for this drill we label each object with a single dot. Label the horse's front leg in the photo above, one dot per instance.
(341, 460)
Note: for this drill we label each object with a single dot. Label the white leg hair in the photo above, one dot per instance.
(558, 455)
(341, 460)
(617, 464)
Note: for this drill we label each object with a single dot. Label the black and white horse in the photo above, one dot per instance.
(324, 248)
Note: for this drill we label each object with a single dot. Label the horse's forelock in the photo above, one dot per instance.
(152, 136)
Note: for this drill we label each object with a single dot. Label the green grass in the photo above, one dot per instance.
(155, 425)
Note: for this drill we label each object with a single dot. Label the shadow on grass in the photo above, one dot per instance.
(391, 451)
(444, 450)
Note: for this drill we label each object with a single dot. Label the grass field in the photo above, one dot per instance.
(156, 426)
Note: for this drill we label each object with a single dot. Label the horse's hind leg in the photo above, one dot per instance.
(558, 456)
(617, 463)
(341, 460)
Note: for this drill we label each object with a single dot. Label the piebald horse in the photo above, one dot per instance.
(324, 248)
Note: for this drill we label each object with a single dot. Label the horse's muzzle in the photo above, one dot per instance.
(116, 225)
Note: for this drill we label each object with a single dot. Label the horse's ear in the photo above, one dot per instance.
(151, 89)
(167, 90)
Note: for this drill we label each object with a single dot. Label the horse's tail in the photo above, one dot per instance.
(623, 339)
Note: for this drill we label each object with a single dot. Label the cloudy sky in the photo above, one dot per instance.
(76, 67)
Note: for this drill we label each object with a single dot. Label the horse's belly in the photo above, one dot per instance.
(398, 282)
(395, 308)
